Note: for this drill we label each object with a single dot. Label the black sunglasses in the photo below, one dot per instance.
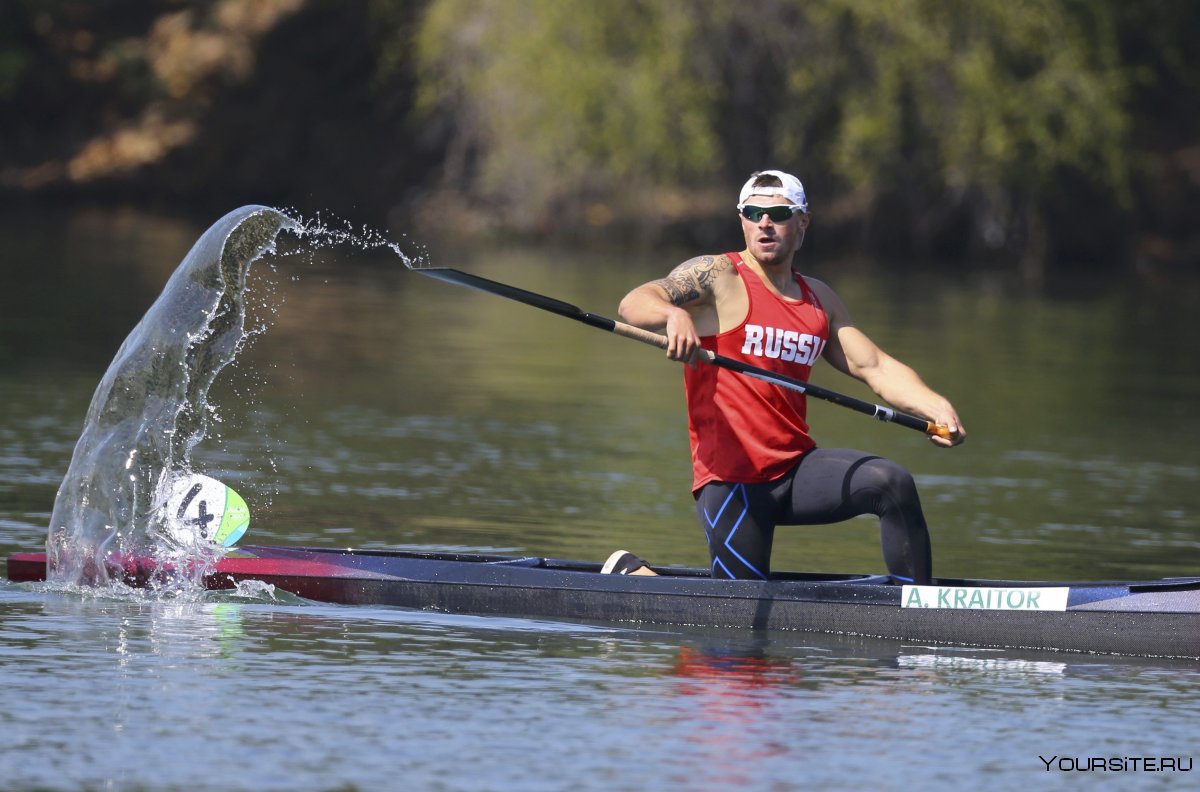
(778, 213)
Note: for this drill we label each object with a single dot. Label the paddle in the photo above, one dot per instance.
(561, 308)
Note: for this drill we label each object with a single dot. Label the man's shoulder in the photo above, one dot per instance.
(816, 284)
(706, 270)
(711, 262)
(827, 298)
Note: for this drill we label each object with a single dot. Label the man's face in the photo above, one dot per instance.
(771, 241)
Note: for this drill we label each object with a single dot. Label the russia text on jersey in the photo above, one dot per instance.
(787, 345)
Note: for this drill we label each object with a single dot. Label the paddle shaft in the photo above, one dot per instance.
(561, 308)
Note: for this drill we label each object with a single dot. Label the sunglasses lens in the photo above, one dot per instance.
(778, 214)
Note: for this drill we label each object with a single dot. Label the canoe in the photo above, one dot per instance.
(1145, 618)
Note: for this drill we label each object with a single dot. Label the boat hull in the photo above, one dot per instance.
(1155, 618)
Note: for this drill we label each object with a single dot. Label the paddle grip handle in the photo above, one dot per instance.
(638, 334)
(938, 430)
(656, 340)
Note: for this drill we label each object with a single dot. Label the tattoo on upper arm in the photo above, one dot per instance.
(692, 279)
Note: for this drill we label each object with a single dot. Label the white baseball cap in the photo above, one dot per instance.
(792, 189)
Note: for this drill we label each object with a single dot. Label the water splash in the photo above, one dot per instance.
(322, 232)
(150, 409)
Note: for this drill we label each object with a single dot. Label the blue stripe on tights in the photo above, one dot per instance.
(712, 523)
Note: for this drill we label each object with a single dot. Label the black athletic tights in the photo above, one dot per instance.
(827, 486)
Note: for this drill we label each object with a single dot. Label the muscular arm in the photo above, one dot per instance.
(850, 351)
(676, 303)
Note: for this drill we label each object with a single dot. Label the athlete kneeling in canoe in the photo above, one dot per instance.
(755, 465)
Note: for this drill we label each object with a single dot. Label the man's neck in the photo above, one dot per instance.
(778, 273)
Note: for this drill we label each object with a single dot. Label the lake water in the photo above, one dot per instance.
(381, 409)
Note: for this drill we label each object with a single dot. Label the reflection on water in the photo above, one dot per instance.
(383, 409)
(461, 702)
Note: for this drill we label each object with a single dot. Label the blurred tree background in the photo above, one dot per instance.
(1029, 133)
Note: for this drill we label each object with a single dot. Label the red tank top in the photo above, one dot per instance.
(743, 429)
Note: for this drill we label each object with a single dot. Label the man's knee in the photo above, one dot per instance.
(887, 476)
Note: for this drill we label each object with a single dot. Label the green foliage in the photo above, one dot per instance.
(941, 126)
(978, 106)
(14, 51)
(560, 99)
(1002, 94)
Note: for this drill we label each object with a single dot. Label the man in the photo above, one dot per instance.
(754, 464)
